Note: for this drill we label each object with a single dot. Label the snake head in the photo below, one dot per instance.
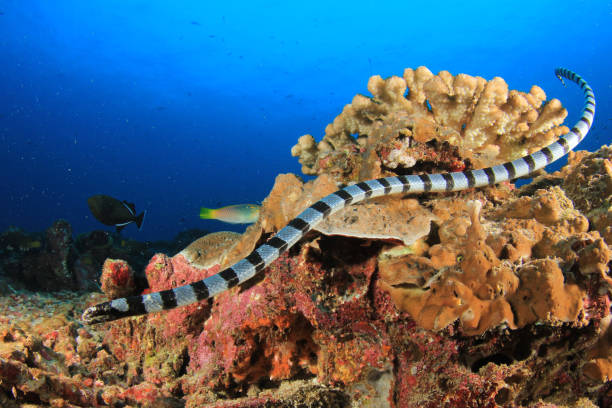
(100, 313)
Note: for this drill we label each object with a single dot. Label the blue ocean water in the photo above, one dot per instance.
(174, 106)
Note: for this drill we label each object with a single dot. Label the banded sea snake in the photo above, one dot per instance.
(269, 251)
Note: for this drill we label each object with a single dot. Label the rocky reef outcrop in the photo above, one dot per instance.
(55, 260)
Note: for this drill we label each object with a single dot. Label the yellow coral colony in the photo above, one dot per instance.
(486, 123)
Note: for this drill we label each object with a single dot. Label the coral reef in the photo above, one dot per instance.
(493, 297)
(509, 307)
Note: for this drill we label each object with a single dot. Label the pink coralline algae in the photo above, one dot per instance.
(117, 278)
(163, 273)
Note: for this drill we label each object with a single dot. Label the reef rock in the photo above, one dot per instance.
(39, 261)
(117, 278)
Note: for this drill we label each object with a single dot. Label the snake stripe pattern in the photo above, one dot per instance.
(268, 252)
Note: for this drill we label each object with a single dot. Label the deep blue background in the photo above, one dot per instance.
(175, 107)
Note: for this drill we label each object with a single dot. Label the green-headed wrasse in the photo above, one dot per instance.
(235, 214)
(110, 211)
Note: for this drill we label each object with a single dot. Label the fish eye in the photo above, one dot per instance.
(459, 257)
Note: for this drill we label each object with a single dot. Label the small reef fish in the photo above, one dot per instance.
(234, 214)
(110, 211)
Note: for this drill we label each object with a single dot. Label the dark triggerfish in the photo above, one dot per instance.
(110, 211)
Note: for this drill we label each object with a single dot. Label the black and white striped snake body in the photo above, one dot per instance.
(268, 252)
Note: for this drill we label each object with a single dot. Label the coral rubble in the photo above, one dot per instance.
(492, 297)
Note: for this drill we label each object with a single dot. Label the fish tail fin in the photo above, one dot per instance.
(140, 219)
(207, 213)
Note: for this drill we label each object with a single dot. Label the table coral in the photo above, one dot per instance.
(381, 218)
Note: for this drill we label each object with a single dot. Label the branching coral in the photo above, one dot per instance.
(480, 122)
